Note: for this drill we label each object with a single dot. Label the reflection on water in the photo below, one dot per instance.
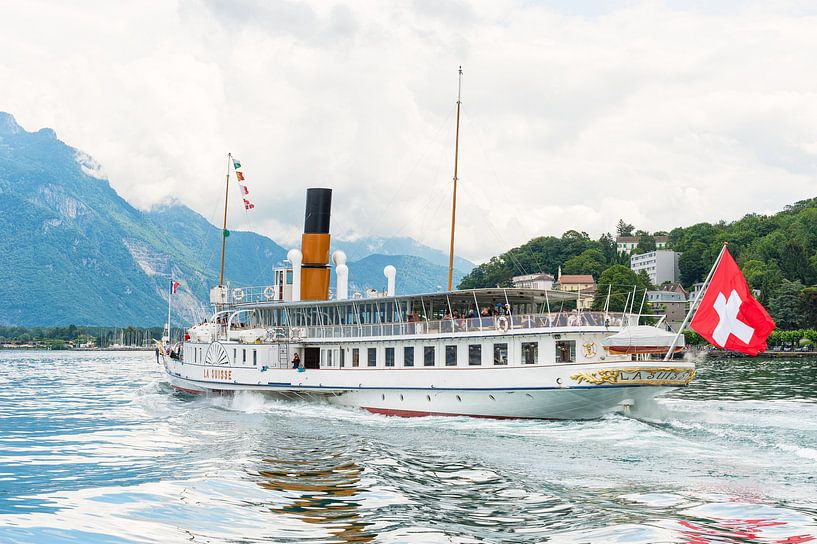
(318, 488)
(756, 379)
(95, 448)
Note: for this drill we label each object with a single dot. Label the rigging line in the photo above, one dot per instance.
(478, 133)
(376, 223)
(514, 261)
(439, 192)
(432, 195)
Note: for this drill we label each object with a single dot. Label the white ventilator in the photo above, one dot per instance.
(391, 273)
(342, 274)
(296, 257)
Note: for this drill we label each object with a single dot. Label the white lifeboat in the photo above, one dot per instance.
(640, 339)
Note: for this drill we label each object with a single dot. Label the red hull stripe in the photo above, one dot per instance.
(185, 390)
(413, 413)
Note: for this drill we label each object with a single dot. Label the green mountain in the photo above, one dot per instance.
(73, 251)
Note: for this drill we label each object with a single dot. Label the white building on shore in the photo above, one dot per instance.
(660, 265)
(533, 281)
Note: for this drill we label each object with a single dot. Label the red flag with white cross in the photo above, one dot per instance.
(729, 316)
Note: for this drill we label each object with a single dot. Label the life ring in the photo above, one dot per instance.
(269, 293)
(238, 294)
(502, 324)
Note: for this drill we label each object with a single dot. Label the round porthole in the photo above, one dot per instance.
(459, 398)
(382, 397)
(428, 398)
(401, 396)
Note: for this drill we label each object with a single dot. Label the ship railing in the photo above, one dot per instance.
(502, 323)
(252, 295)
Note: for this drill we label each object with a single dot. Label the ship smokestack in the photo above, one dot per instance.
(315, 245)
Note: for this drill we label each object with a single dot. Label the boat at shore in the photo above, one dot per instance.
(499, 353)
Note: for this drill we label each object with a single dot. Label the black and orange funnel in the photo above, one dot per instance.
(315, 245)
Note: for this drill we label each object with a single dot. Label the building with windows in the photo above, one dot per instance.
(626, 244)
(661, 266)
(671, 303)
(582, 284)
(533, 281)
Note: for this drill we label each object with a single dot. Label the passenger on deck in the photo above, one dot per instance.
(296, 361)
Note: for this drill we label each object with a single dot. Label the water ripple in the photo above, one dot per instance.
(95, 447)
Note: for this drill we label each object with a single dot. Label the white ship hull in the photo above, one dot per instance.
(569, 391)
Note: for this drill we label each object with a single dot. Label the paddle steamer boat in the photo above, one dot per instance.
(503, 353)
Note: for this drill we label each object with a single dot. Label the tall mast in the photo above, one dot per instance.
(224, 229)
(454, 201)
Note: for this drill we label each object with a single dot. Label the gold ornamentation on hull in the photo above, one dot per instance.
(637, 376)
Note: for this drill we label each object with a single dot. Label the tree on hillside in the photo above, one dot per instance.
(542, 254)
(694, 263)
(646, 243)
(786, 306)
(763, 276)
(645, 280)
(809, 300)
(795, 265)
(624, 229)
(609, 248)
(591, 261)
(619, 280)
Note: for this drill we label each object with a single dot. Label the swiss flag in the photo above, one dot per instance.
(729, 316)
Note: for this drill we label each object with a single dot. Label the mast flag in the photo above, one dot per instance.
(239, 176)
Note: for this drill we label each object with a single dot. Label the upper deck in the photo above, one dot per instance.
(478, 311)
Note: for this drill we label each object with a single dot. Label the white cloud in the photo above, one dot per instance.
(660, 113)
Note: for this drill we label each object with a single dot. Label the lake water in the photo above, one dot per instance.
(95, 447)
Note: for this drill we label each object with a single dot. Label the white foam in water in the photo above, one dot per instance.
(248, 402)
(805, 453)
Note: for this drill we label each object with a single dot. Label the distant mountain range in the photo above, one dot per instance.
(73, 251)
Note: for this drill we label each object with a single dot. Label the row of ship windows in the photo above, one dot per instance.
(565, 352)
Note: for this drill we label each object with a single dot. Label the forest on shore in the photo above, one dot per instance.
(777, 253)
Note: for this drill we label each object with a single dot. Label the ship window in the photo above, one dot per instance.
(235, 355)
(355, 357)
(428, 356)
(530, 353)
(408, 356)
(372, 357)
(254, 358)
(243, 355)
(328, 357)
(342, 357)
(450, 355)
(475, 354)
(566, 351)
(389, 356)
(501, 354)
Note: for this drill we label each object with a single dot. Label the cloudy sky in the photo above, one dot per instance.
(661, 113)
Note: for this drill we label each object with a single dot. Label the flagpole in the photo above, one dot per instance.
(454, 201)
(169, 296)
(224, 229)
(694, 305)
